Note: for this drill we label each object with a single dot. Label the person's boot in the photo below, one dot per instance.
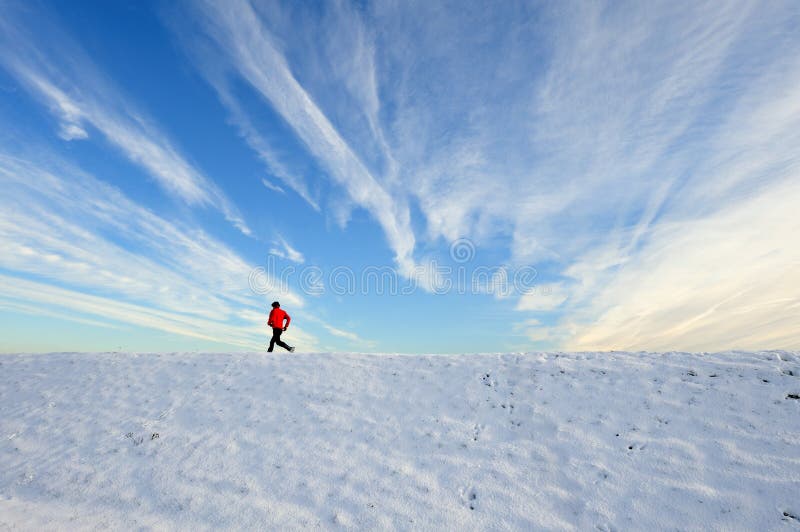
(291, 349)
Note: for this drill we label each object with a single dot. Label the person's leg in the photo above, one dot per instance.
(279, 341)
(276, 336)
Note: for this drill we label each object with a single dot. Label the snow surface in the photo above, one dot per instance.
(512, 441)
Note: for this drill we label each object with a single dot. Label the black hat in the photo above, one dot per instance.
(275, 304)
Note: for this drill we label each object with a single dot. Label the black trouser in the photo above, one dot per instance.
(276, 339)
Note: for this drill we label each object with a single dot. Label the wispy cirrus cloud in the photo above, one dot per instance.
(62, 76)
(698, 153)
(578, 135)
(257, 142)
(347, 335)
(598, 136)
(43, 298)
(272, 186)
(283, 250)
(249, 48)
(722, 282)
(543, 298)
(77, 245)
(542, 123)
(720, 269)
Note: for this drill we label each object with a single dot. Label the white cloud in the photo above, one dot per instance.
(51, 300)
(715, 270)
(585, 133)
(7, 303)
(636, 119)
(272, 186)
(238, 31)
(258, 142)
(79, 236)
(285, 251)
(64, 78)
(72, 132)
(543, 298)
(347, 335)
(727, 281)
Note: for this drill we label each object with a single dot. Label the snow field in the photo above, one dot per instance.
(604, 441)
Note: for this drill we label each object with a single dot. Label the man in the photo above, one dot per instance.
(276, 317)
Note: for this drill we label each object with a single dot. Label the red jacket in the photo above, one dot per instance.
(276, 317)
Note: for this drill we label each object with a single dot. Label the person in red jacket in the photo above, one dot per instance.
(276, 317)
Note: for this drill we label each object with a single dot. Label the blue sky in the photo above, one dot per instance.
(635, 166)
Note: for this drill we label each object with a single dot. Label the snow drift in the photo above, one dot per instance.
(511, 441)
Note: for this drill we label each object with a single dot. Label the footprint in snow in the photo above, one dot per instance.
(601, 474)
(469, 497)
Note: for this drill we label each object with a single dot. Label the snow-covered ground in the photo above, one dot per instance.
(608, 441)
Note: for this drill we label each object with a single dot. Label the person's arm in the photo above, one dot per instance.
(288, 320)
(269, 321)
